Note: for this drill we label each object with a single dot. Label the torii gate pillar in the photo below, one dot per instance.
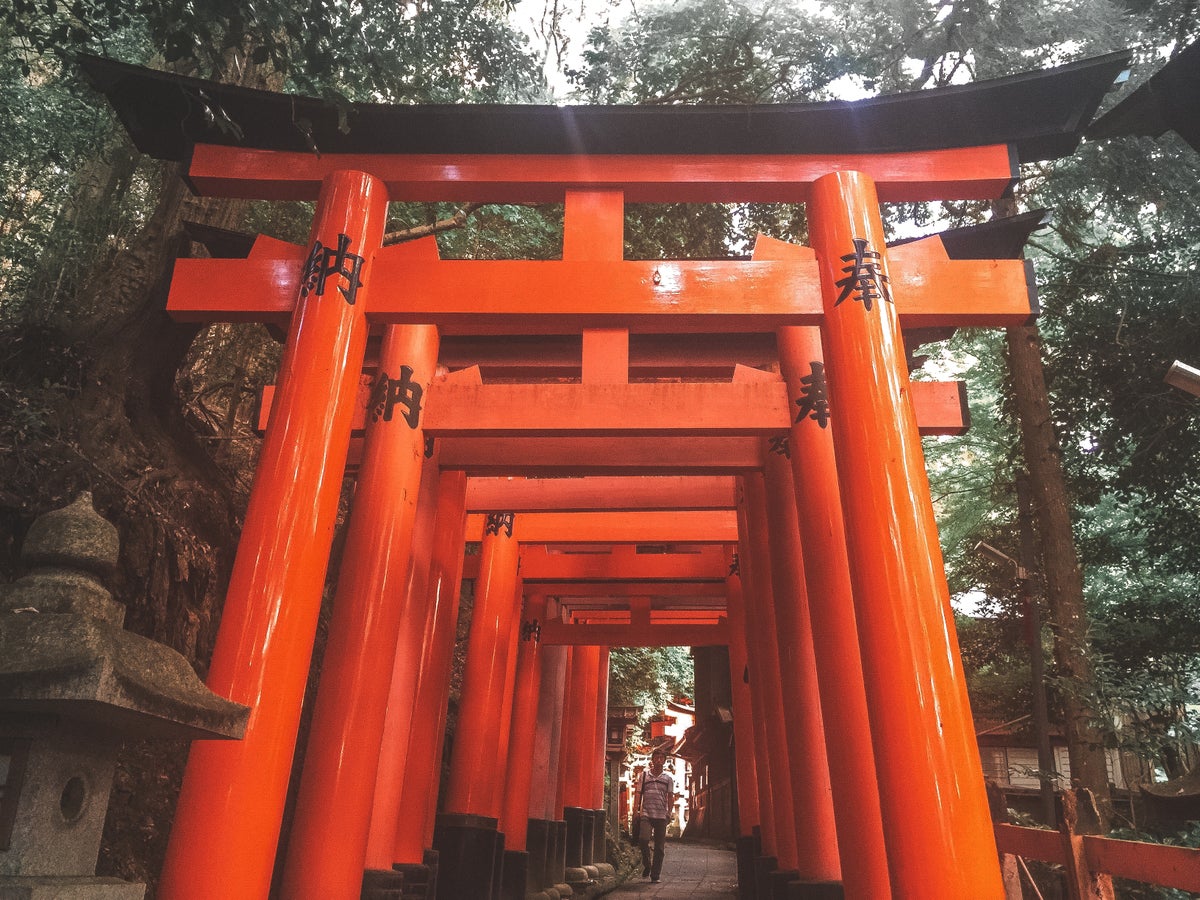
(935, 817)
(233, 793)
(466, 838)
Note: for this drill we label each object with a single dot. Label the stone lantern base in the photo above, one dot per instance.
(50, 887)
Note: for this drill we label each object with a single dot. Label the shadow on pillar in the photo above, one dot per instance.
(470, 856)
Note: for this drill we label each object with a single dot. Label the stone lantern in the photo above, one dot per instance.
(73, 685)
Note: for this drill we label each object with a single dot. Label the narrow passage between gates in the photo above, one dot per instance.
(691, 871)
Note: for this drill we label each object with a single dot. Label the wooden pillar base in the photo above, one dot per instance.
(412, 881)
(779, 881)
(763, 867)
(514, 878)
(468, 848)
(599, 836)
(748, 847)
(587, 837)
(556, 855)
(574, 818)
(539, 843)
(815, 890)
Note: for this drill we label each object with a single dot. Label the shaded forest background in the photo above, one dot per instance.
(99, 390)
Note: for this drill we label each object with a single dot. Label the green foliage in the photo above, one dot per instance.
(404, 52)
(713, 51)
(649, 676)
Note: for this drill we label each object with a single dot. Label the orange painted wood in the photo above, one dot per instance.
(660, 594)
(934, 809)
(580, 713)
(622, 616)
(600, 744)
(543, 791)
(408, 657)
(555, 633)
(978, 173)
(623, 564)
(455, 409)
(419, 793)
(1177, 867)
(594, 410)
(638, 527)
(812, 797)
(600, 493)
(765, 682)
(605, 356)
(843, 697)
(708, 357)
(600, 456)
(232, 800)
(476, 766)
(556, 297)
(743, 727)
(593, 225)
(941, 407)
(514, 816)
(1031, 843)
(365, 632)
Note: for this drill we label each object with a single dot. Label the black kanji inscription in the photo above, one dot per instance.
(734, 565)
(325, 261)
(387, 393)
(864, 280)
(780, 445)
(813, 401)
(531, 631)
(496, 521)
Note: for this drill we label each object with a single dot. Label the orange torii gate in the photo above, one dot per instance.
(836, 599)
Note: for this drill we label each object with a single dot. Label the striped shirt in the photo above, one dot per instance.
(657, 791)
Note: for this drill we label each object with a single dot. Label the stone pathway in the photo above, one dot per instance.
(690, 872)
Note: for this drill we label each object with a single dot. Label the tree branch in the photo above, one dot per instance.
(458, 220)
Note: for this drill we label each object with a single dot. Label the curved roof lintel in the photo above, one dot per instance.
(1042, 114)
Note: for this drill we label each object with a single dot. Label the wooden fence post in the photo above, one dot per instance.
(1080, 817)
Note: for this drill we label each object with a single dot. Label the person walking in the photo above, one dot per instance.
(655, 801)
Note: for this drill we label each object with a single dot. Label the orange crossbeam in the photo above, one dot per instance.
(539, 456)
(624, 565)
(596, 410)
(581, 592)
(629, 410)
(641, 635)
(969, 173)
(554, 297)
(640, 527)
(662, 616)
(600, 493)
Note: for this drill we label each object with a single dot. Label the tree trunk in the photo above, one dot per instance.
(1060, 564)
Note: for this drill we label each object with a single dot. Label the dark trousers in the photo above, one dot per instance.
(659, 838)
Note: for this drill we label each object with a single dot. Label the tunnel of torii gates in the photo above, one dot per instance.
(753, 419)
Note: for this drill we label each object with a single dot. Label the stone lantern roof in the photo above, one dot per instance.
(63, 651)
